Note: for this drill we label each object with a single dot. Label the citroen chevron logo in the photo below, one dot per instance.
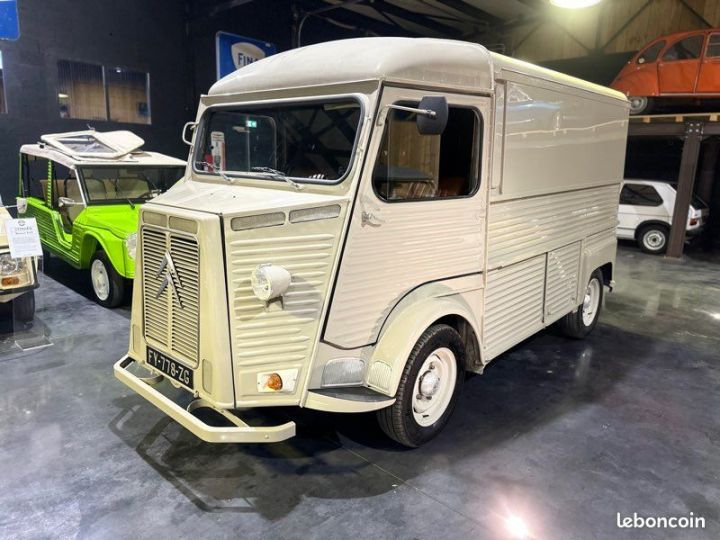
(170, 279)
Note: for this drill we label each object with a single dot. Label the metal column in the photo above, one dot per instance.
(686, 180)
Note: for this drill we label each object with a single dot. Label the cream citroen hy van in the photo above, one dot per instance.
(362, 222)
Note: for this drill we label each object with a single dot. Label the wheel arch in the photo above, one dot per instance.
(648, 223)
(408, 321)
(89, 246)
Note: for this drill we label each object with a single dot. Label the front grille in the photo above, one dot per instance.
(171, 292)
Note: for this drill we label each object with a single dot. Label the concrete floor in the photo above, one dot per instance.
(563, 434)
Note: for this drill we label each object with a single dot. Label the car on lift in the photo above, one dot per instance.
(18, 276)
(84, 189)
(646, 211)
(680, 65)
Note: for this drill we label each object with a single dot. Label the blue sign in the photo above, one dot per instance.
(233, 52)
(9, 26)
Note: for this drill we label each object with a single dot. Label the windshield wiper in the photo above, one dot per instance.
(214, 169)
(132, 204)
(274, 173)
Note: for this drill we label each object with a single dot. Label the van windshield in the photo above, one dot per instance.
(127, 184)
(306, 141)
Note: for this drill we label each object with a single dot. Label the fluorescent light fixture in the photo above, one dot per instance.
(63, 96)
(574, 4)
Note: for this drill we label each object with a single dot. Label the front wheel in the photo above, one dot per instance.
(108, 286)
(580, 323)
(429, 388)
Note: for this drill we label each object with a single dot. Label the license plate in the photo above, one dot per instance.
(170, 367)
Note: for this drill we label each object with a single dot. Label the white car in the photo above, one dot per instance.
(646, 210)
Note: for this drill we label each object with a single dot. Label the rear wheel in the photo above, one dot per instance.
(108, 286)
(653, 239)
(429, 388)
(579, 324)
(640, 104)
(24, 307)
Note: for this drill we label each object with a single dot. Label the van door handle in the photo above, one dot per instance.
(368, 218)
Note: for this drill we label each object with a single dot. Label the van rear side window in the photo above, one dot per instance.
(411, 166)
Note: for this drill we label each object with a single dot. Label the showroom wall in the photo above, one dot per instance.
(134, 36)
(274, 22)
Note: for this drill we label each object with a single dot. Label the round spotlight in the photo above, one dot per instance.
(574, 4)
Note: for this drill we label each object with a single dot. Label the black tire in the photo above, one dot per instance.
(653, 239)
(641, 105)
(24, 307)
(398, 421)
(116, 283)
(573, 325)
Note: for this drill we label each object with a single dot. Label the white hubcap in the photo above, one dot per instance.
(100, 279)
(591, 302)
(637, 104)
(654, 240)
(434, 386)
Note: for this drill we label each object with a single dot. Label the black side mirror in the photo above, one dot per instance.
(435, 121)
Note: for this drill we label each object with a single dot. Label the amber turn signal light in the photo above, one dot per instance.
(274, 382)
(14, 280)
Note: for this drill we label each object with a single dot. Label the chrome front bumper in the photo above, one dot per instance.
(240, 432)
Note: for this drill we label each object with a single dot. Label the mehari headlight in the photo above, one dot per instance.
(269, 281)
(131, 245)
(9, 266)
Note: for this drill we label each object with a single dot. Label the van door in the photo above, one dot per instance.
(419, 215)
(679, 66)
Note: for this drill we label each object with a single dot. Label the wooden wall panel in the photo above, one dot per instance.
(561, 34)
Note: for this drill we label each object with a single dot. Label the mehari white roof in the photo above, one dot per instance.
(97, 148)
(436, 62)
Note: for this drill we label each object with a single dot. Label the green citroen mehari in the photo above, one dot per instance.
(84, 189)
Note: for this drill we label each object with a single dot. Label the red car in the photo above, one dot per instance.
(681, 65)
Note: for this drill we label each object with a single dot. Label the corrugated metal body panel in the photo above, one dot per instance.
(171, 324)
(522, 228)
(561, 285)
(261, 334)
(513, 304)
(415, 243)
(600, 240)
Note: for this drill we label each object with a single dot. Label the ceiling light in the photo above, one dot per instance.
(574, 4)
(516, 527)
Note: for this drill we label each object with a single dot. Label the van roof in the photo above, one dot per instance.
(434, 62)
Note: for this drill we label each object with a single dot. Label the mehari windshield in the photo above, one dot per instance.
(123, 184)
(308, 141)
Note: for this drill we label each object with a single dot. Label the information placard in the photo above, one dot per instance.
(23, 238)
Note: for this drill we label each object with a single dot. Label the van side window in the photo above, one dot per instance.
(685, 49)
(651, 53)
(640, 195)
(411, 166)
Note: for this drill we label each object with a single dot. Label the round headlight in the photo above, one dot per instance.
(131, 245)
(8, 265)
(269, 281)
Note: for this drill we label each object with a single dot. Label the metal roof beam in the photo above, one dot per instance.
(424, 20)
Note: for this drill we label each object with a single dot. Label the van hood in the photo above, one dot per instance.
(120, 219)
(237, 199)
